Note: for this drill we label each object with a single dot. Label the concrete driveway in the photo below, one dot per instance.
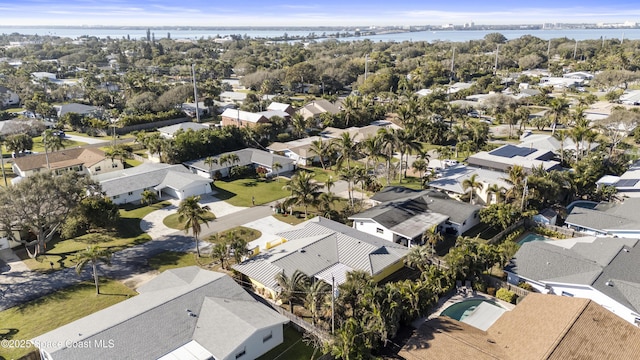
(269, 227)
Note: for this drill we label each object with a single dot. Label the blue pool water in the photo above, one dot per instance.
(532, 237)
(461, 310)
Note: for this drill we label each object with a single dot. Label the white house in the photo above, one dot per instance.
(405, 218)
(127, 186)
(603, 269)
(8, 97)
(452, 179)
(246, 157)
(168, 132)
(184, 313)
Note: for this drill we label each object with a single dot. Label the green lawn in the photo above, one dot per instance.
(62, 252)
(8, 171)
(129, 163)
(173, 222)
(37, 317)
(170, 260)
(292, 348)
(239, 192)
(15, 110)
(242, 232)
(409, 182)
(291, 220)
(38, 146)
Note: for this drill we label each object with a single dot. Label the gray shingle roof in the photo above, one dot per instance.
(594, 263)
(145, 176)
(172, 129)
(608, 216)
(319, 244)
(156, 322)
(247, 156)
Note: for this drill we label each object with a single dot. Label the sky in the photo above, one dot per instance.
(312, 13)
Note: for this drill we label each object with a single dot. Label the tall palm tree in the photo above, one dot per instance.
(92, 254)
(516, 176)
(562, 136)
(316, 292)
(210, 161)
(407, 144)
(304, 191)
(418, 257)
(419, 165)
(350, 108)
(322, 149)
(371, 148)
(388, 143)
(496, 191)
(221, 252)
(276, 168)
(432, 237)
(347, 149)
(472, 184)
(193, 215)
(559, 108)
(349, 175)
(291, 287)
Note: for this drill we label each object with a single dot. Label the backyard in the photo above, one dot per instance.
(240, 192)
(47, 313)
(292, 348)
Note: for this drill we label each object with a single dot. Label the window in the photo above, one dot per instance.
(241, 353)
(130, 193)
(475, 214)
(268, 337)
(98, 168)
(379, 231)
(564, 293)
(114, 165)
(116, 196)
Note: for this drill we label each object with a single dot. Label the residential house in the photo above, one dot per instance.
(80, 109)
(539, 327)
(550, 143)
(603, 269)
(546, 216)
(627, 184)
(233, 97)
(89, 161)
(127, 186)
(561, 82)
(32, 127)
(190, 109)
(580, 75)
(630, 97)
(8, 97)
(452, 179)
(405, 219)
(317, 107)
(184, 313)
(240, 118)
(281, 107)
(506, 156)
(169, 131)
(247, 157)
(324, 250)
(612, 219)
(297, 150)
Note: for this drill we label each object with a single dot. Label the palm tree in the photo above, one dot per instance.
(210, 161)
(220, 252)
(316, 292)
(349, 175)
(347, 149)
(239, 247)
(350, 108)
(418, 257)
(516, 178)
(473, 184)
(276, 167)
(388, 142)
(148, 197)
(496, 191)
(304, 191)
(322, 149)
(559, 108)
(407, 144)
(299, 124)
(329, 183)
(193, 214)
(420, 166)
(291, 287)
(92, 254)
(432, 237)
(371, 148)
(562, 136)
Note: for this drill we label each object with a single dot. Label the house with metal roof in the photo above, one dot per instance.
(246, 157)
(281, 107)
(325, 250)
(451, 181)
(603, 269)
(127, 186)
(405, 219)
(186, 313)
(608, 218)
(506, 156)
(539, 327)
(76, 108)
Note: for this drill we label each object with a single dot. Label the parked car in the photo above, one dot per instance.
(449, 162)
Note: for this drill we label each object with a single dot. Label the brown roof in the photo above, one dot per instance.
(540, 327)
(61, 159)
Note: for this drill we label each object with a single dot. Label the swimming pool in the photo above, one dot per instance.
(479, 313)
(532, 237)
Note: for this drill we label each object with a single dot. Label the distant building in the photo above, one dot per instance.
(239, 118)
(8, 97)
(89, 161)
(506, 156)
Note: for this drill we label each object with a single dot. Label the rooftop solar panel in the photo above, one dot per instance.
(626, 183)
(509, 151)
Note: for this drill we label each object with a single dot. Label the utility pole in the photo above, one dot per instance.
(4, 175)
(195, 91)
(366, 66)
(333, 312)
(495, 68)
(453, 61)
(575, 50)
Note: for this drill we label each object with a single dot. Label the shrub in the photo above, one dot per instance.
(506, 295)
(491, 291)
(548, 232)
(514, 235)
(526, 286)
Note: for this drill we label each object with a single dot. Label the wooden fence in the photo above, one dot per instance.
(300, 324)
(499, 284)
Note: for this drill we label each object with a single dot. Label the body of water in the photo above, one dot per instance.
(429, 36)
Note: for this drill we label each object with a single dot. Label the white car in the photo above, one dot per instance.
(450, 162)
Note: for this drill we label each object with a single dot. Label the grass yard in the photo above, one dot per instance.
(62, 252)
(173, 222)
(291, 220)
(52, 311)
(38, 146)
(240, 192)
(409, 182)
(8, 171)
(292, 348)
(129, 163)
(242, 232)
(171, 259)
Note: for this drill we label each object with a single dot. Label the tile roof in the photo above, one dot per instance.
(213, 298)
(320, 244)
(61, 159)
(540, 327)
